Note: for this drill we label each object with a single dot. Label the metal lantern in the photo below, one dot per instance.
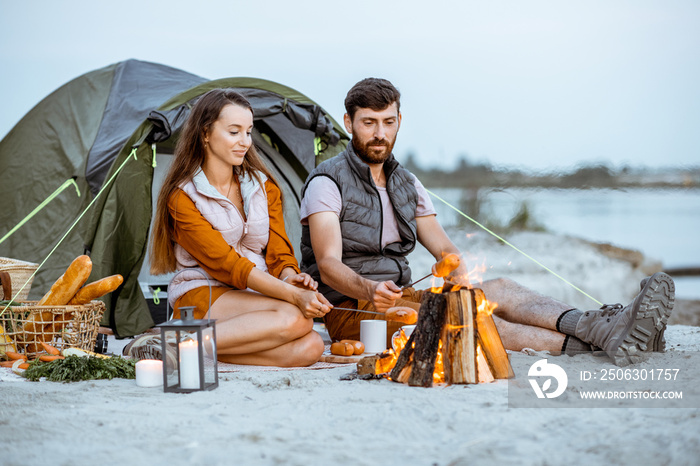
(189, 353)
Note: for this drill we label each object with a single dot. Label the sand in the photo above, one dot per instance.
(313, 417)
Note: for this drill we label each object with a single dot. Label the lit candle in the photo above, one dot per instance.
(209, 350)
(189, 364)
(149, 373)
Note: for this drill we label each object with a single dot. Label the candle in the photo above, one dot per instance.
(189, 364)
(149, 373)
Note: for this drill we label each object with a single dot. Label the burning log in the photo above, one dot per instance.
(455, 341)
(375, 364)
(459, 338)
(422, 348)
(490, 342)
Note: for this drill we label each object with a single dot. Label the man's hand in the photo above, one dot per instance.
(385, 295)
(432, 236)
(460, 277)
(452, 270)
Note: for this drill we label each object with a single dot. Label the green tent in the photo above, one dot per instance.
(91, 128)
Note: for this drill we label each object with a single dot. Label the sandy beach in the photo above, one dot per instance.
(303, 417)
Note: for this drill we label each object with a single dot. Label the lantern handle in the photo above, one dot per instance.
(167, 301)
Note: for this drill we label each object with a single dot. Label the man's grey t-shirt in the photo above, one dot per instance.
(322, 195)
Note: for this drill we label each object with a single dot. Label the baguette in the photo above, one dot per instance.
(60, 293)
(96, 289)
(63, 290)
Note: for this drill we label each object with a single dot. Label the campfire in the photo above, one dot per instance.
(455, 342)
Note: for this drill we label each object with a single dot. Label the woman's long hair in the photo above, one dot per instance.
(189, 157)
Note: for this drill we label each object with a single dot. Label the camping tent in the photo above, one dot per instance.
(113, 130)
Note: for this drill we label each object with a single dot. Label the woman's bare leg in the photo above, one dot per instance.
(250, 323)
(301, 352)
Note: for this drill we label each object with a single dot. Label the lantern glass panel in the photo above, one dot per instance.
(209, 346)
(189, 355)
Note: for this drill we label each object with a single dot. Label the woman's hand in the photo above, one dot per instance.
(302, 280)
(312, 303)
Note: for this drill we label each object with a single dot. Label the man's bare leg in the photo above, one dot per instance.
(515, 337)
(527, 319)
(625, 333)
(521, 305)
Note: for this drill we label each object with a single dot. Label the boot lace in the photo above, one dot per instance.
(611, 309)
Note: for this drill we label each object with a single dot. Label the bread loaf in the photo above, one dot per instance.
(97, 289)
(63, 290)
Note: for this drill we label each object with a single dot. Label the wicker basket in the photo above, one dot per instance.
(20, 273)
(60, 326)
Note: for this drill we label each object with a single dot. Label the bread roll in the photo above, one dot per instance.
(342, 349)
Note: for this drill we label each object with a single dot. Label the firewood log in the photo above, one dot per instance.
(491, 343)
(459, 338)
(431, 319)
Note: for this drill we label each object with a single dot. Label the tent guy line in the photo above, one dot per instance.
(104, 186)
(514, 247)
(38, 208)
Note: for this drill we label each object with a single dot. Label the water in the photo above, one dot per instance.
(662, 224)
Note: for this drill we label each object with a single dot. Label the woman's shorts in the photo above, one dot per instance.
(199, 298)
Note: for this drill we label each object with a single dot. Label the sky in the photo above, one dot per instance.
(539, 85)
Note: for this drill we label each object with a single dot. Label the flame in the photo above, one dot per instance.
(398, 343)
(439, 371)
(474, 276)
(434, 288)
(486, 306)
(389, 358)
(386, 364)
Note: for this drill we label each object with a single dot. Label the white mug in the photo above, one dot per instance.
(373, 335)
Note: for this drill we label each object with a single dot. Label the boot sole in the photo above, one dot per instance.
(646, 331)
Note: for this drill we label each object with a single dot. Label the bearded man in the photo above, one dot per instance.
(362, 214)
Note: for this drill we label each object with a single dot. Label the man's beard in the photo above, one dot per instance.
(369, 155)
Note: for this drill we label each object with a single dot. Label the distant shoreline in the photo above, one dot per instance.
(479, 175)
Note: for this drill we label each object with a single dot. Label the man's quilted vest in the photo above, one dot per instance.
(361, 221)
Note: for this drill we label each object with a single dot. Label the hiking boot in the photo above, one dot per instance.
(659, 343)
(627, 333)
(148, 346)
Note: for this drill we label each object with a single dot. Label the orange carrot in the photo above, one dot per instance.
(15, 356)
(50, 349)
(50, 357)
(6, 363)
(24, 365)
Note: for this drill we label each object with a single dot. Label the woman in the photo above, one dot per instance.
(220, 211)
